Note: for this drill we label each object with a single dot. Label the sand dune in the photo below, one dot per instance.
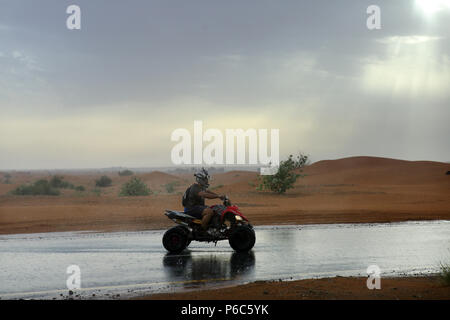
(159, 177)
(372, 170)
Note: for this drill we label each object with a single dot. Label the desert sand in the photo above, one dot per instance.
(338, 288)
(350, 190)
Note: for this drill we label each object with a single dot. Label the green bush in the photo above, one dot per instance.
(104, 181)
(40, 187)
(286, 175)
(170, 187)
(80, 188)
(59, 183)
(134, 187)
(126, 173)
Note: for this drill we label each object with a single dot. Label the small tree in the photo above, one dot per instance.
(134, 187)
(104, 181)
(287, 174)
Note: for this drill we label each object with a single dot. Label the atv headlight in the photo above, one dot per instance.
(238, 218)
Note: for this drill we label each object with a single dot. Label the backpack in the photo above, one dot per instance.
(185, 198)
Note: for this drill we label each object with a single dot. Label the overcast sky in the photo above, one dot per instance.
(111, 93)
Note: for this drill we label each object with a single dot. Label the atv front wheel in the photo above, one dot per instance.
(242, 239)
(175, 239)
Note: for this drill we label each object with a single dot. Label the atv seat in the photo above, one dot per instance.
(173, 214)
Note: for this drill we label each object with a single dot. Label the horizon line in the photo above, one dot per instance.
(186, 166)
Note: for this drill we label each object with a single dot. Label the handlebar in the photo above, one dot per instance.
(226, 201)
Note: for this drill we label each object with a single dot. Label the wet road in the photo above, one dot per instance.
(135, 263)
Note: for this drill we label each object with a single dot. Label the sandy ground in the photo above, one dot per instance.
(360, 189)
(340, 288)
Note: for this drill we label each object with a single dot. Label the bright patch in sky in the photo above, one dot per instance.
(410, 66)
(432, 6)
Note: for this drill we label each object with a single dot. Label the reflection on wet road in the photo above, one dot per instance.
(211, 267)
(134, 263)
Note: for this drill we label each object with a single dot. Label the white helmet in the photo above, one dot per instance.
(202, 177)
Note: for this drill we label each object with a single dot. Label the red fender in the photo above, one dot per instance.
(234, 210)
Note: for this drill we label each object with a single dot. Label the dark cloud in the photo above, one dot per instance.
(310, 59)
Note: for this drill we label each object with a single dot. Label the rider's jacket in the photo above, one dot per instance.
(191, 197)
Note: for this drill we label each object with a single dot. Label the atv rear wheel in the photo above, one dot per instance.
(242, 238)
(176, 239)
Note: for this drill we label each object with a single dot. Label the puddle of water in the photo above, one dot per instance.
(133, 263)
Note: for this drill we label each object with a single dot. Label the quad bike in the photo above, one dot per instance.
(227, 223)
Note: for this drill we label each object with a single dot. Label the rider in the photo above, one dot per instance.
(194, 198)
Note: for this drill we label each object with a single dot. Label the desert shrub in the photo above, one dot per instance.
(126, 173)
(134, 187)
(445, 274)
(7, 177)
(23, 190)
(104, 181)
(44, 187)
(59, 183)
(40, 187)
(56, 181)
(80, 188)
(170, 187)
(286, 175)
